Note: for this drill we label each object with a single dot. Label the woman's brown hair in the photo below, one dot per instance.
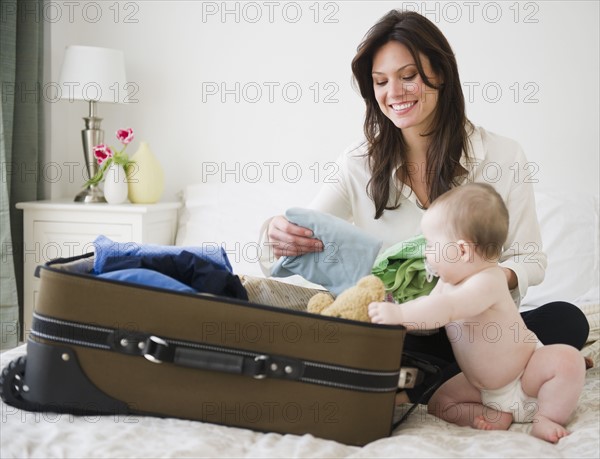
(448, 133)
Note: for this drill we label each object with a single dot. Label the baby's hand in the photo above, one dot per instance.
(385, 313)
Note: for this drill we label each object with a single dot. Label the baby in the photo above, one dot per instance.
(507, 374)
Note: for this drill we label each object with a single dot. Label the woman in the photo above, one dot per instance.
(418, 145)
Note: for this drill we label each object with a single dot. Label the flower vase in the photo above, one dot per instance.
(115, 184)
(145, 176)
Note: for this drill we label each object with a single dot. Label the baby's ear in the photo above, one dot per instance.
(466, 250)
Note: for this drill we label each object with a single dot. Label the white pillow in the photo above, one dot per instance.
(570, 236)
(231, 213)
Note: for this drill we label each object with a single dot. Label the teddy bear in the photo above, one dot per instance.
(352, 303)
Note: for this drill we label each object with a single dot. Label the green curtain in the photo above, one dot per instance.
(21, 146)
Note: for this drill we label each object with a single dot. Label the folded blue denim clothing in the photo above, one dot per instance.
(348, 253)
(149, 277)
(106, 248)
(185, 267)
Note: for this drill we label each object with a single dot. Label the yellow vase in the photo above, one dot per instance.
(146, 179)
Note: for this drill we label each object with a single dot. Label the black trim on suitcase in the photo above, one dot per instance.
(51, 379)
(211, 357)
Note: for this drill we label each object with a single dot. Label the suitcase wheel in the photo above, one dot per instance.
(12, 384)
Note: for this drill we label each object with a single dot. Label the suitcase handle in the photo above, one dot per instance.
(157, 350)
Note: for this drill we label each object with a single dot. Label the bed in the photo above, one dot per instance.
(570, 234)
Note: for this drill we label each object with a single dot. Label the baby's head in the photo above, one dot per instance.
(472, 214)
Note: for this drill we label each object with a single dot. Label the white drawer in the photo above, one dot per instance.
(68, 239)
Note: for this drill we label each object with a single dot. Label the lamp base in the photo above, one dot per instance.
(91, 136)
(92, 194)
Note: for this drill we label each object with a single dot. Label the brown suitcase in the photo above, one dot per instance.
(106, 347)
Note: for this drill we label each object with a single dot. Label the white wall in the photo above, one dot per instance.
(542, 56)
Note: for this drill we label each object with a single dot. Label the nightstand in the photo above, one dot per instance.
(63, 228)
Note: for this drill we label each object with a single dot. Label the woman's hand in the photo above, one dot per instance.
(292, 240)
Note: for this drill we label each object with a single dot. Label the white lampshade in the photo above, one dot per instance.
(91, 73)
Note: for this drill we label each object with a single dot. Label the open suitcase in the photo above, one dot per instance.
(105, 347)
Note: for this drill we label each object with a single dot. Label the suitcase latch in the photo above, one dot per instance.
(263, 373)
(276, 367)
(152, 348)
(409, 377)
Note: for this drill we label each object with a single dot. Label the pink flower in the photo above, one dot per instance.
(125, 135)
(102, 153)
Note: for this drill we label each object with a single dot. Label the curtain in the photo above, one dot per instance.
(21, 146)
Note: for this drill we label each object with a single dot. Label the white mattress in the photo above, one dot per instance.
(30, 435)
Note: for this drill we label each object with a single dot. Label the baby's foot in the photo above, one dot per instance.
(480, 423)
(548, 430)
(502, 423)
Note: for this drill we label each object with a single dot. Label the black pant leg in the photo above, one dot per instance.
(437, 350)
(558, 322)
(436, 345)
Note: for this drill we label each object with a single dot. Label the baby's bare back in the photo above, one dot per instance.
(492, 348)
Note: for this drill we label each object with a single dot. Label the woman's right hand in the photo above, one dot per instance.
(288, 239)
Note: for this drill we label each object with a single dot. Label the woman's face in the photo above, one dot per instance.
(399, 89)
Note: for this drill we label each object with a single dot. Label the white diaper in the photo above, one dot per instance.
(512, 399)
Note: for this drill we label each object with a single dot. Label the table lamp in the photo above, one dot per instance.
(94, 75)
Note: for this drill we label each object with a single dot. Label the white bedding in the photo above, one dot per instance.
(43, 435)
